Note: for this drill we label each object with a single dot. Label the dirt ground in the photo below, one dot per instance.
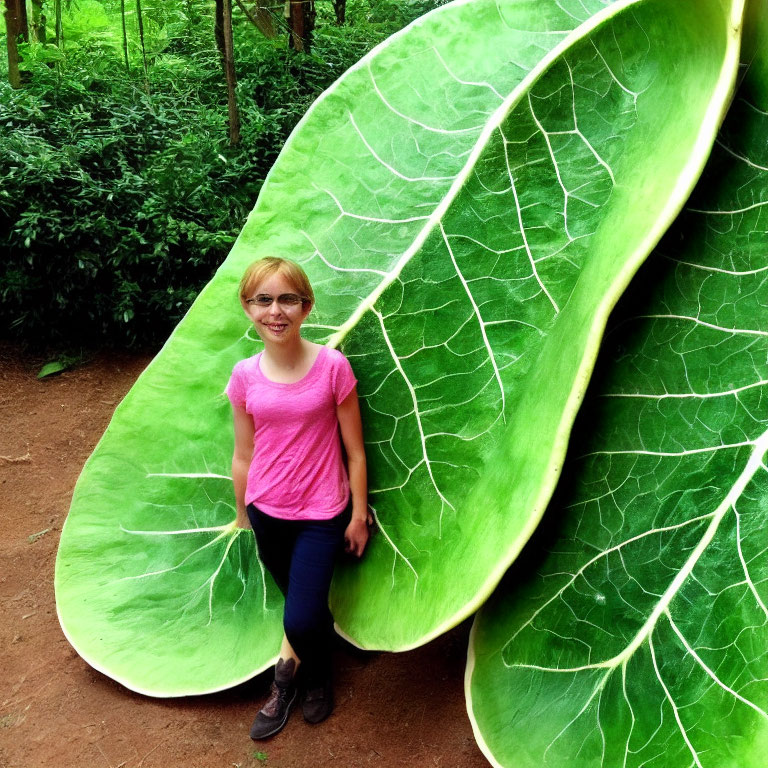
(392, 709)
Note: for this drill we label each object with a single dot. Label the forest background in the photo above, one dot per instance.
(125, 175)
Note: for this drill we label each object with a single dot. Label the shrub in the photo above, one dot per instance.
(119, 197)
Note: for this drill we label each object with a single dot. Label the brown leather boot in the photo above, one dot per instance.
(318, 696)
(318, 703)
(282, 695)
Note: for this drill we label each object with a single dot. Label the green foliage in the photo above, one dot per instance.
(110, 210)
(49, 369)
(467, 234)
(62, 363)
(120, 197)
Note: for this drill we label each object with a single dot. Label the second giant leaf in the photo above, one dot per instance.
(641, 638)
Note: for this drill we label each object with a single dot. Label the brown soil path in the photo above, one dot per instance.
(55, 711)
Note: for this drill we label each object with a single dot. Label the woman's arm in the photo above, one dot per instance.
(348, 413)
(241, 460)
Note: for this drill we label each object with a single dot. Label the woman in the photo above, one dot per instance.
(294, 404)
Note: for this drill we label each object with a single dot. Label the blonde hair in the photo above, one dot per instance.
(264, 268)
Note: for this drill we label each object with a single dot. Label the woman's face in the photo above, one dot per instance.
(276, 322)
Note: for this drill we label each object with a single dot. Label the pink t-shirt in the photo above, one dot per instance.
(297, 472)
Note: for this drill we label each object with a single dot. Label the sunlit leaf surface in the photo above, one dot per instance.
(642, 640)
(469, 208)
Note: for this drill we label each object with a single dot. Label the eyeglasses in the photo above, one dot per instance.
(284, 300)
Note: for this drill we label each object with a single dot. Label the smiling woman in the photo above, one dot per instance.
(280, 316)
(291, 404)
(274, 277)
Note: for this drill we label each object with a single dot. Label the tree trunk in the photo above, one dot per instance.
(340, 9)
(12, 31)
(38, 22)
(23, 20)
(218, 32)
(58, 31)
(140, 19)
(260, 17)
(224, 43)
(301, 22)
(125, 36)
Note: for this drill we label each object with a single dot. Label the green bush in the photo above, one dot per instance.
(119, 197)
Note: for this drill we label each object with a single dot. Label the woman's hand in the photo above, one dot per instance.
(356, 536)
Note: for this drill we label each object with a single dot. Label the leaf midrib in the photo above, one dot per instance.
(494, 123)
(753, 465)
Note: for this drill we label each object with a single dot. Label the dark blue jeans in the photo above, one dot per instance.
(300, 555)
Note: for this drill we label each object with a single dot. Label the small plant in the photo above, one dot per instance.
(260, 756)
(61, 363)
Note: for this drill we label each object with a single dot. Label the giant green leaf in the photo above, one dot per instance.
(642, 637)
(470, 201)
(490, 331)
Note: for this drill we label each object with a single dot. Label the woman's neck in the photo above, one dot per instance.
(287, 365)
(285, 356)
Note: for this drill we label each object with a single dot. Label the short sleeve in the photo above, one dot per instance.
(343, 378)
(236, 387)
